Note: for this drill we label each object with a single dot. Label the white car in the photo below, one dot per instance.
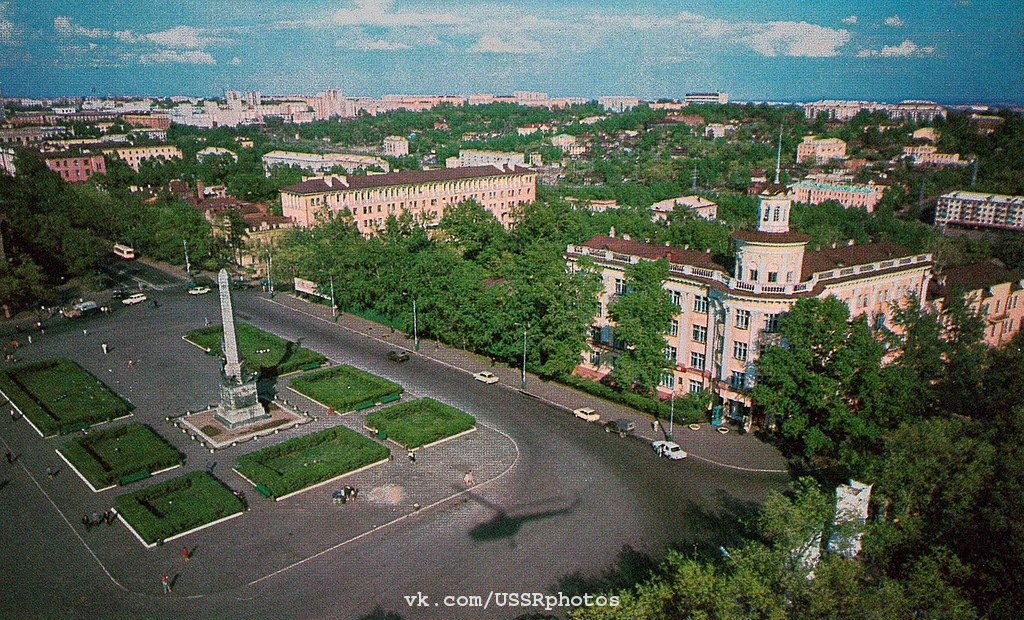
(587, 413)
(670, 449)
(199, 290)
(485, 376)
(131, 300)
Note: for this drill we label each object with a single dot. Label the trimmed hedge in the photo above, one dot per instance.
(420, 422)
(114, 455)
(178, 505)
(282, 358)
(689, 408)
(345, 388)
(59, 396)
(304, 461)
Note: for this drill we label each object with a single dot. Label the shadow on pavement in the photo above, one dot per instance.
(502, 525)
(630, 568)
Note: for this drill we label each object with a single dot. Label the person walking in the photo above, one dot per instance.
(165, 581)
(49, 473)
(412, 456)
(469, 479)
(10, 458)
(186, 554)
(105, 347)
(654, 425)
(85, 332)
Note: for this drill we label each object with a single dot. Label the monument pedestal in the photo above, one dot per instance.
(239, 405)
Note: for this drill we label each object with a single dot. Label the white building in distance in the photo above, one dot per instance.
(320, 163)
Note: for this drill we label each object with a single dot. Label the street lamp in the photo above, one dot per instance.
(270, 277)
(415, 325)
(188, 265)
(334, 304)
(526, 328)
(671, 412)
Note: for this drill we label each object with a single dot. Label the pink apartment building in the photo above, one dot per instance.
(820, 151)
(850, 195)
(423, 193)
(135, 155)
(993, 291)
(726, 316)
(76, 168)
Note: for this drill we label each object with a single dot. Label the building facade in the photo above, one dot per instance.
(423, 193)
(981, 210)
(927, 155)
(135, 155)
(706, 98)
(820, 151)
(396, 146)
(474, 157)
(724, 318)
(76, 168)
(993, 292)
(702, 207)
(321, 163)
(850, 195)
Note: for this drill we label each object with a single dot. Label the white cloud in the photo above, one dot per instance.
(380, 13)
(488, 44)
(8, 31)
(907, 49)
(190, 57)
(359, 40)
(799, 39)
(894, 21)
(851, 20)
(235, 61)
(179, 37)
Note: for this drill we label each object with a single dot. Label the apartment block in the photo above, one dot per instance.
(135, 155)
(76, 167)
(321, 163)
(818, 151)
(980, 210)
(850, 195)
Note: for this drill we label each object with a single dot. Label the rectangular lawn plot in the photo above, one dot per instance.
(344, 387)
(129, 452)
(179, 505)
(260, 350)
(59, 396)
(420, 422)
(303, 462)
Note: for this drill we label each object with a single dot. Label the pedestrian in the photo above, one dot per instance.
(85, 332)
(111, 516)
(654, 425)
(186, 554)
(49, 473)
(206, 321)
(165, 581)
(10, 458)
(412, 456)
(104, 346)
(86, 522)
(469, 479)
(30, 338)
(131, 363)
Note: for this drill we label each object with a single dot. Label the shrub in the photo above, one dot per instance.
(688, 408)
(344, 387)
(178, 505)
(420, 422)
(106, 456)
(281, 356)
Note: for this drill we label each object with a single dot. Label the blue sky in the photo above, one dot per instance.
(948, 50)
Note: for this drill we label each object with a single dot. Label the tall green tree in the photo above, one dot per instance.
(642, 314)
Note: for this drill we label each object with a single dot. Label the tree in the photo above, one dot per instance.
(642, 313)
(474, 230)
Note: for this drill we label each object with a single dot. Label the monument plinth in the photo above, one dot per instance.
(239, 404)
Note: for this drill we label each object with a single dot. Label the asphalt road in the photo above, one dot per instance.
(577, 503)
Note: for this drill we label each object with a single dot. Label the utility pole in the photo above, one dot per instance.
(526, 328)
(694, 178)
(415, 327)
(671, 412)
(974, 173)
(188, 265)
(334, 304)
(270, 270)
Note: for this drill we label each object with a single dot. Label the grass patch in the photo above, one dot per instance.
(344, 387)
(178, 505)
(59, 396)
(304, 461)
(420, 422)
(106, 456)
(261, 351)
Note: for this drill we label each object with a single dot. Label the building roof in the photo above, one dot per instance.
(756, 236)
(983, 197)
(651, 251)
(851, 255)
(410, 177)
(971, 277)
(839, 187)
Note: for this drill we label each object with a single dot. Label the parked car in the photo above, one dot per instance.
(199, 290)
(398, 356)
(137, 298)
(587, 413)
(623, 427)
(485, 376)
(669, 449)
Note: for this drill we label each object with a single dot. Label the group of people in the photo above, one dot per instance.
(97, 518)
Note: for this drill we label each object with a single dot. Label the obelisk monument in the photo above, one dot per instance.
(239, 404)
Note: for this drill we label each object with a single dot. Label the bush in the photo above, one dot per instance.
(420, 422)
(59, 396)
(344, 388)
(178, 505)
(689, 408)
(282, 356)
(107, 456)
(304, 461)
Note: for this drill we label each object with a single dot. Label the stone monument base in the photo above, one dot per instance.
(210, 430)
(239, 405)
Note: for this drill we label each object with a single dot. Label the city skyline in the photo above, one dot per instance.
(951, 51)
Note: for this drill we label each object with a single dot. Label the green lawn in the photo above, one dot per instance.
(304, 461)
(59, 396)
(106, 456)
(420, 422)
(343, 387)
(178, 505)
(278, 356)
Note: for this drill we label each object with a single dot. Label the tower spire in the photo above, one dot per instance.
(778, 157)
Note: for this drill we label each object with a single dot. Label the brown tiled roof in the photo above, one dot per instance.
(971, 278)
(851, 255)
(767, 237)
(410, 177)
(652, 251)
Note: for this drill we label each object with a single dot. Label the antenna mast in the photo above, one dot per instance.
(778, 157)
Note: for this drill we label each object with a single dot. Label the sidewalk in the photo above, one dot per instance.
(732, 450)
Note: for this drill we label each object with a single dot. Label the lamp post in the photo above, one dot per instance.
(526, 328)
(671, 413)
(415, 325)
(334, 304)
(188, 265)
(270, 276)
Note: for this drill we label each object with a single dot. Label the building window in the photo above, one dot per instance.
(739, 351)
(595, 359)
(773, 276)
(700, 333)
(670, 354)
(673, 329)
(677, 298)
(738, 379)
(700, 304)
(753, 275)
(743, 319)
(620, 286)
(667, 380)
(696, 387)
(697, 361)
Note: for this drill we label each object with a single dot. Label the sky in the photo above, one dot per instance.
(950, 51)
